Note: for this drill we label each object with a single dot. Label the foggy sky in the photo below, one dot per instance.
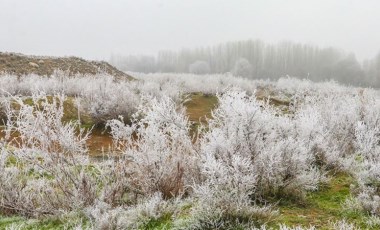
(95, 29)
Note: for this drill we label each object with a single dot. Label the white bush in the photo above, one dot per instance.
(46, 174)
(158, 147)
(367, 143)
(252, 151)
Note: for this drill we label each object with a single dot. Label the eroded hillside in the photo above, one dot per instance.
(20, 64)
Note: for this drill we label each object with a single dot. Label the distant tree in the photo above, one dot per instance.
(375, 69)
(242, 68)
(199, 67)
(257, 59)
(348, 70)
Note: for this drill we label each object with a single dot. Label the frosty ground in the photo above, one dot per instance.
(188, 152)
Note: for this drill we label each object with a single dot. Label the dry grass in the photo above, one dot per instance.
(19, 65)
(200, 106)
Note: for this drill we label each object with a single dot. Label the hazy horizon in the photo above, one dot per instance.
(95, 29)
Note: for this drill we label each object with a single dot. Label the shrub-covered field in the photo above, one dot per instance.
(289, 154)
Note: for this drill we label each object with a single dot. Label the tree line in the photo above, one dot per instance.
(256, 59)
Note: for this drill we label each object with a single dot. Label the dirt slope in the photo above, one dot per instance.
(20, 64)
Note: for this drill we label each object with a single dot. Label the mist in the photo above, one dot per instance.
(96, 29)
(190, 114)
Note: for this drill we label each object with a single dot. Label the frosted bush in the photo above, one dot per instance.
(9, 84)
(39, 125)
(284, 227)
(367, 143)
(248, 153)
(215, 209)
(343, 225)
(43, 177)
(45, 167)
(100, 96)
(251, 149)
(158, 147)
(368, 177)
(103, 216)
(373, 221)
(327, 124)
(15, 227)
(367, 130)
(109, 102)
(151, 208)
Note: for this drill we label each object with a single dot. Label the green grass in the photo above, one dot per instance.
(47, 223)
(165, 222)
(322, 207)
(31, 224)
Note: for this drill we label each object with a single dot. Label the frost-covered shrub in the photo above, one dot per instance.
(158, 147)
(39, 125)
(103, 216)
(367, 143)
(343, 225)
(218, 209)
(251, 151)
(326, 123)
(110, 101)
(100, 95)
(150, 209)
(367, 131)
(373, 221)
(45, 167)
(45, 172)
(284, 227)
(8, 84)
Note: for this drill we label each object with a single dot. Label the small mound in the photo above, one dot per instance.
(20, 64)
